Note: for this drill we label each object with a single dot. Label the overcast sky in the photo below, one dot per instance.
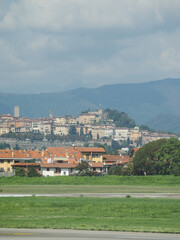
(56, 45)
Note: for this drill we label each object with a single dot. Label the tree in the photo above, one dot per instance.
(144, 161)
(120, 119)
(116, 170)
(160, 157)
(84, 169)
(32, 171)
(128, 169)
(17, 147)
(4, 146)
(114, 147)
(72, 130)
(81, 132)
(168, 158)
(20, 172)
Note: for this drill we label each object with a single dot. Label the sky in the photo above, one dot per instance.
(57, 45)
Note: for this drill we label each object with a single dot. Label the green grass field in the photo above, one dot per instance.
(105, 180)
(55, 189)
(127, 214)
(105, 184)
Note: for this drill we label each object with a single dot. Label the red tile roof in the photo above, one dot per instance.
(115, 159)
(101, 150)
(97, 164)
(26, 164)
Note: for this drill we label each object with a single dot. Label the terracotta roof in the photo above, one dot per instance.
(73, 153)
(111, 158)
(97, 164)
(135, 149)
(115, 159)
(100, 149)
(26, 164)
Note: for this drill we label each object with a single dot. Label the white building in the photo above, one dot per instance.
(57, 169)
(62, 130)
(121, 134)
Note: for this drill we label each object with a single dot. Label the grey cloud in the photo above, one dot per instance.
(57, 45)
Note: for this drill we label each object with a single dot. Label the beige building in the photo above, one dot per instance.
(44, 128)
(121, 134)
(6, 165)
(62, 130)
(4, 130)
(16, 111)
(149, 137)
(60, 120)
(87, 118)
(72, 120)
(97, 132)
(135, 134)
(92, 154)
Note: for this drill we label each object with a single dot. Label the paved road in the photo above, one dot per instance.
(47, 234)
(101, 195)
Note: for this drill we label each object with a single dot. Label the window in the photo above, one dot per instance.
(9, 161)
(64, 173)
(1, 161)
(8, 169)
(48, 169)
(1, 169)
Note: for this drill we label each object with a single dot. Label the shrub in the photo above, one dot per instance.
(20, 172)
(33, 172)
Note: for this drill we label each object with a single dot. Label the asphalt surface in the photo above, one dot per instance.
(47, 234)
(101, 195)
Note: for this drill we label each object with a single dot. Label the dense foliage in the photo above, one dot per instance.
(4, 145)
(33, 171)
(161, 157)
(84, 169)
(20, 172)
(67, 138)
(120, 119)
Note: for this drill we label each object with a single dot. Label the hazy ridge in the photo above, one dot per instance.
(152, 102)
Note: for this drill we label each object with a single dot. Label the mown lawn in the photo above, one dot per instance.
(105, 180)
(55, 189)
(127, 214)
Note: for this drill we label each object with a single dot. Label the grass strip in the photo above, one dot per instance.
(127, 214)
(104, 180)
(57, 189)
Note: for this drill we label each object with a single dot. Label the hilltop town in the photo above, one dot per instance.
(93, 125)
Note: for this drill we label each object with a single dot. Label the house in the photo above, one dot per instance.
(9, 159)
(92, 154)
(59, 161)
(57, 169)
(26, 165)
(97, 167)
(115, 160)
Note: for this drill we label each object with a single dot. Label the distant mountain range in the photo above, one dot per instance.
(156, 103)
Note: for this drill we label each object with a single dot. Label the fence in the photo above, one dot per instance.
(7, 174)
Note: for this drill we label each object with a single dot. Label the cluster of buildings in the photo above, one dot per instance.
(96, 124)
(58, 161)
